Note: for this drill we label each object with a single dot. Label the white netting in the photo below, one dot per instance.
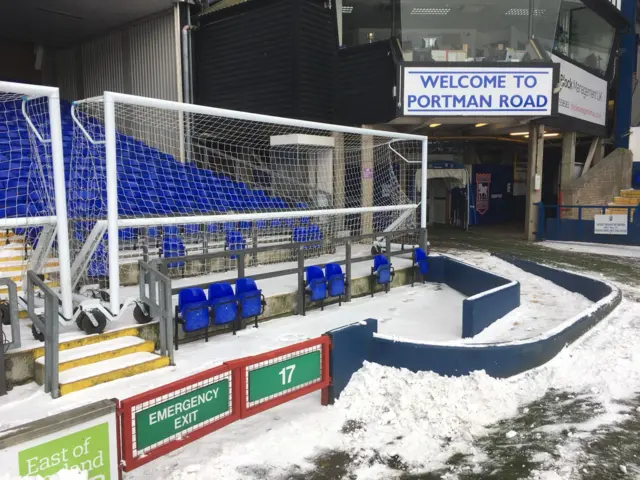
(27, 196)
(173, 164)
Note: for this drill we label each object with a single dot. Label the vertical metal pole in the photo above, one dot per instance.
(300, 279)
(52, 318)
(57, 157)
(241, 264)
(423, 196)
(348, 270)
(168, 314)
(387, 238)
(13, 315)
(112, 201)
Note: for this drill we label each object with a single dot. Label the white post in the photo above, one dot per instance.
(57, 155)
(423, 193)
(112, 201)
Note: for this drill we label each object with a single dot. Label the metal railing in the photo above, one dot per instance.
(13, 312)
(48, 325)
(156, 294)
(298, 250)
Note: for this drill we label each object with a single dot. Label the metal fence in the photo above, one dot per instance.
(575, 223)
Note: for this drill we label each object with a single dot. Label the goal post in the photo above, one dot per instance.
(156, 170)
(33, 202)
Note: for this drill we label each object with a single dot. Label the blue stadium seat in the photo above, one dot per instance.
(315, 287)
(420, 265)
(172, 246)
(234, 241)
(250, 299)
(192, 312)
(224, 305)
(336, 281)
(382, 273)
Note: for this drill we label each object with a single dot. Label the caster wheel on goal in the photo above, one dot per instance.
(5, 316)
(88, 327)
(37, 334)
(140, 316)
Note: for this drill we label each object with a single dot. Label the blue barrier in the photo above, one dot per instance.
(477, 312)
(350, 347)
(551, 225)
(498, 360)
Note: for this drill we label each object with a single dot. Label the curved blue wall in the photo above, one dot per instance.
(498, 360)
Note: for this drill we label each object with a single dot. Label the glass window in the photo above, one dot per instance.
(365, 21)
(583, 36)
(471, 30)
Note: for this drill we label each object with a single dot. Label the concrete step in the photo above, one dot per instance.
(96, 352)
(630, 201)
(5, 290)
(86, 376)
(89, 340)
(630, 193)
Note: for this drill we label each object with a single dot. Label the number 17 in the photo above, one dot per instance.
(284, 371)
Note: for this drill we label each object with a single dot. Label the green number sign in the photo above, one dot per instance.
(285, 375)
(168, 418)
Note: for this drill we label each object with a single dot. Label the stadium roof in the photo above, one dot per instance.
(60, 22)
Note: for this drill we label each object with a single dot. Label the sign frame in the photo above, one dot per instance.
(245, 365)
(132, 458)
(610, 217)
(480, 68)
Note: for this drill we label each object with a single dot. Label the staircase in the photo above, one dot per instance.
(98, 359)
(627, 198)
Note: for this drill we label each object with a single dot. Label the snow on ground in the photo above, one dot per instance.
(270, 287)
(424, 418)
(595, 248)
(401, 312)
(543, 304)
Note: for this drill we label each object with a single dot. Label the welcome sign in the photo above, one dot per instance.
(478, 91)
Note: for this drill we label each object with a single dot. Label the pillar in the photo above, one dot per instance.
(534, 178)
(568, 159)
(366, 160)
(626, 74)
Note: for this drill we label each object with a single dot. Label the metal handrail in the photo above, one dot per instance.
(160, 304)
(13, 312)
(50, 327)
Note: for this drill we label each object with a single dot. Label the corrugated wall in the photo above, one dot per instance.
(139, 58)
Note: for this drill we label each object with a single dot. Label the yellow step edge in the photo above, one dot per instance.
(89, 340)
(85, 383)
(630, 193)
(5, 290)
(13, 259)
(147, 346)
(20, 268)
(626, 201)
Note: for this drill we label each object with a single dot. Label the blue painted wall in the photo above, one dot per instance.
(569, 230)
(635, 181)
(479, 313)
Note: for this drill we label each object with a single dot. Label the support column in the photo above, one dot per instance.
(626, 74)
(366, 159)
(534, 178)
(339, 175)
(568, 159)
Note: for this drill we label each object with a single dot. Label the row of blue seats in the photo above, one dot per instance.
(195, 311)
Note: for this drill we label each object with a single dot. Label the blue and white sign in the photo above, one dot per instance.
(477, 91)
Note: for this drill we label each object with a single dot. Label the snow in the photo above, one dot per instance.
(106, 366)
(61, 475)
(423, 417)
(595, 248)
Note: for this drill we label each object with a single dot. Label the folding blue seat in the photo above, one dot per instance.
(172, 246)
(382, 273)
(315, 234)
(223, 303)
(170, 230)
(192, 312)
(250, 299)
(315, 287)
(336, 281)
(234, 241)
(261, 224)
(300, 235)
(213, 227)
(420, 265)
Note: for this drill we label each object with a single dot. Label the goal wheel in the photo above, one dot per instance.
(5, 313)
(88, 327)
(37, 334)
(141, 317)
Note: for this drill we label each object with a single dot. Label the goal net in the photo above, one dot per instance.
(31, 159)
(193, 179)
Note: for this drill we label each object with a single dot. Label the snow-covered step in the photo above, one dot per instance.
(95, 352)
(87, 376)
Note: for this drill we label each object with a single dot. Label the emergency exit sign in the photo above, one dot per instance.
(189, 410)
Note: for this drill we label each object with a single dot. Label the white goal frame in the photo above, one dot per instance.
(59, 220)
(109, 99)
